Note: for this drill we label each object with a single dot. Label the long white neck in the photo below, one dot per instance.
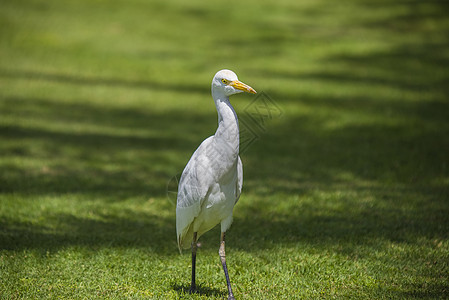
(227, 134)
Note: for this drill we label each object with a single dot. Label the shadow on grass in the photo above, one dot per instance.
(129, 229)
(200, 290)
(427, 291)
(401, 216)
(118, 151)
(112, 82)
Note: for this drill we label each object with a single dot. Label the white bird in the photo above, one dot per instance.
(211, 182)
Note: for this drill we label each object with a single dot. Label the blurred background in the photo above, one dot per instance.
(102, 103)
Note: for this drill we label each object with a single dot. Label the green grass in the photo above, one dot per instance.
(346, 194)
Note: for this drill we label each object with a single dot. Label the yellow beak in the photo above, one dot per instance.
(242, 86)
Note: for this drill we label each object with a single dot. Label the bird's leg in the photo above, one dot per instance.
(194, 247)
(222, 254)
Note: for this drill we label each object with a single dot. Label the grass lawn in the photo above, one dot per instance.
(346, 182)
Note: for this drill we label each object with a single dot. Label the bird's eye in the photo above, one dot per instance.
(224, 81)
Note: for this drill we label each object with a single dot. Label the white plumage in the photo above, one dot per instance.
(211, 182)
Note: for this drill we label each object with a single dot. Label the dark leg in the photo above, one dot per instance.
(222, 254)
(194, 247)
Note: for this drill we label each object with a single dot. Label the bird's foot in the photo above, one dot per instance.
(192, 289)
(231, 297)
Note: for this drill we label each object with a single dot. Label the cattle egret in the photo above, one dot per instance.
(211, 182)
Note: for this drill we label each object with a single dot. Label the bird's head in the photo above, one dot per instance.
(227, 83)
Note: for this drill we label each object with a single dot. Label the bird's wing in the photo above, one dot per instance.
(192, 190)
(239, 182)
